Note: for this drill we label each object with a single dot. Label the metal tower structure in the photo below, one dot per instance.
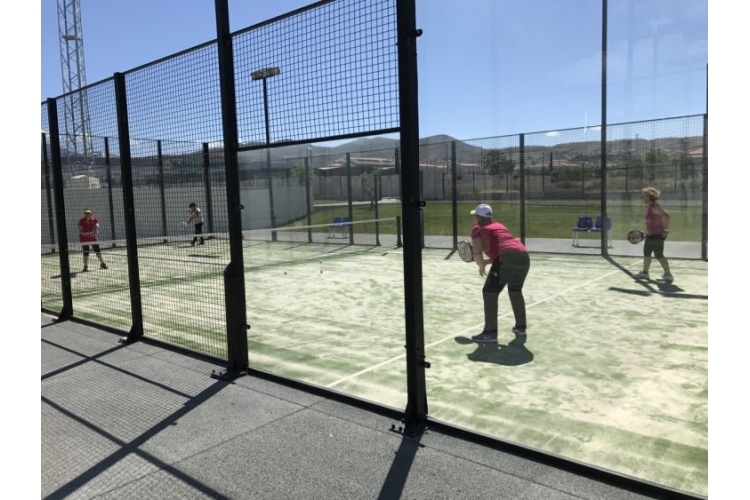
(76, 126)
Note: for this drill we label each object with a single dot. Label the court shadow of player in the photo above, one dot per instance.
(73, 274)
(514, 353)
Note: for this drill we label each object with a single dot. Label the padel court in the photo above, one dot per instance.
(614, 372)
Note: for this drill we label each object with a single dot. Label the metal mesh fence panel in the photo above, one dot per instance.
(51, 290)
(487, 171)
(562, 183)
(99, 280)
(324, 72)
(668, 156)
(173, 110)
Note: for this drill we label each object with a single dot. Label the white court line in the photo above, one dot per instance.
(440, 341)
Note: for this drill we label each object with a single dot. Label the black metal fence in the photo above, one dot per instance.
(163, 139)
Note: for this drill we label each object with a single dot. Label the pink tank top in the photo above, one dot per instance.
(654, 223)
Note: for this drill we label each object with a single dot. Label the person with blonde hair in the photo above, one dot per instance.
(657, 229)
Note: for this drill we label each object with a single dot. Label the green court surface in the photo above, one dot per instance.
(614, 372)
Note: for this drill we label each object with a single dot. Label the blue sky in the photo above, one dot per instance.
(486, 67)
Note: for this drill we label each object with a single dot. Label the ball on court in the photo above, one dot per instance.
(321, 271)
(284, 272)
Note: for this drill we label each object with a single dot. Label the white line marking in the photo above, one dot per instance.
(440, 341)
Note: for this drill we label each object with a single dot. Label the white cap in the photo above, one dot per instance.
(482, 210)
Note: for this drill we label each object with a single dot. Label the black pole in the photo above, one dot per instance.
(421, 212)
(704, 229)
(48, 189)
(415, 417)
(454, 195)
(349, 196)
(376, 194)
(108, 170)
(62, 229)
(309, 201)
(399, 242)
(704, 222)
(123, 134)
(268, 159)
(234, 278)
(603, 169)
(522, 188)
(207, 185)
(397, 167)
(160, 161)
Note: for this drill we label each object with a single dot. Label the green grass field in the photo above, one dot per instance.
(544, 219)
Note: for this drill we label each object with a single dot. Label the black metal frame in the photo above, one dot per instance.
(415, 416)
(62, 231)
(126, 171)
(234, 274)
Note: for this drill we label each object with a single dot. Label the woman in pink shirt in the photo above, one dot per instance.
(509, 265)
(657, 229)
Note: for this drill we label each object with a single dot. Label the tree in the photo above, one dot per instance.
(655, 157)
(498, 163)
(299, 172)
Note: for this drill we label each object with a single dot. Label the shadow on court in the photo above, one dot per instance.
(651, 286)
(514, 353)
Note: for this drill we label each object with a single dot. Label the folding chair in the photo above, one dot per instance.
(334, 227)
(598, 229)
(345, 227)
(584, 224)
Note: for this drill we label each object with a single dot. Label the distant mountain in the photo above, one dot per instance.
(367, 144)
(434, 150)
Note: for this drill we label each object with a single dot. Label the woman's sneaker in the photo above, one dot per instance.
(519, 331)
(485, 337)
(667, 278)
(641, 276)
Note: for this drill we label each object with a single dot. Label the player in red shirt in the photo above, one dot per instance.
(88, 229)
(509, 265)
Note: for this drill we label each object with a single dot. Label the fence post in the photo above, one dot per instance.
(108, 170)
(48, 189)
(207, 186)
(309, 201)
(376, 194)
(123, 134)
(604, 235)
(454, 195)
(704, 222)
(522, 187)
(234, 277)
(160, 162)
(397, 167)
(349, 196)
(415, 417)
(62, 226)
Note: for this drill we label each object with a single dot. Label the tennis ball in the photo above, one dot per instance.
(321, 271)
(284, 272)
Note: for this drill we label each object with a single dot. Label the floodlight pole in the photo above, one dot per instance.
(263, 75)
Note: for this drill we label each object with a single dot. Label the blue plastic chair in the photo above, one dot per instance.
(585, 224)
(598, 229)
(334, 227)
(339, 226)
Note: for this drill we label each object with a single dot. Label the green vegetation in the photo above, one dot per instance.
(544, 219)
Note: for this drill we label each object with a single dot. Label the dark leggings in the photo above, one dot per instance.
(655, 245)
(86, 250)
(509, 269)
(198, 230)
